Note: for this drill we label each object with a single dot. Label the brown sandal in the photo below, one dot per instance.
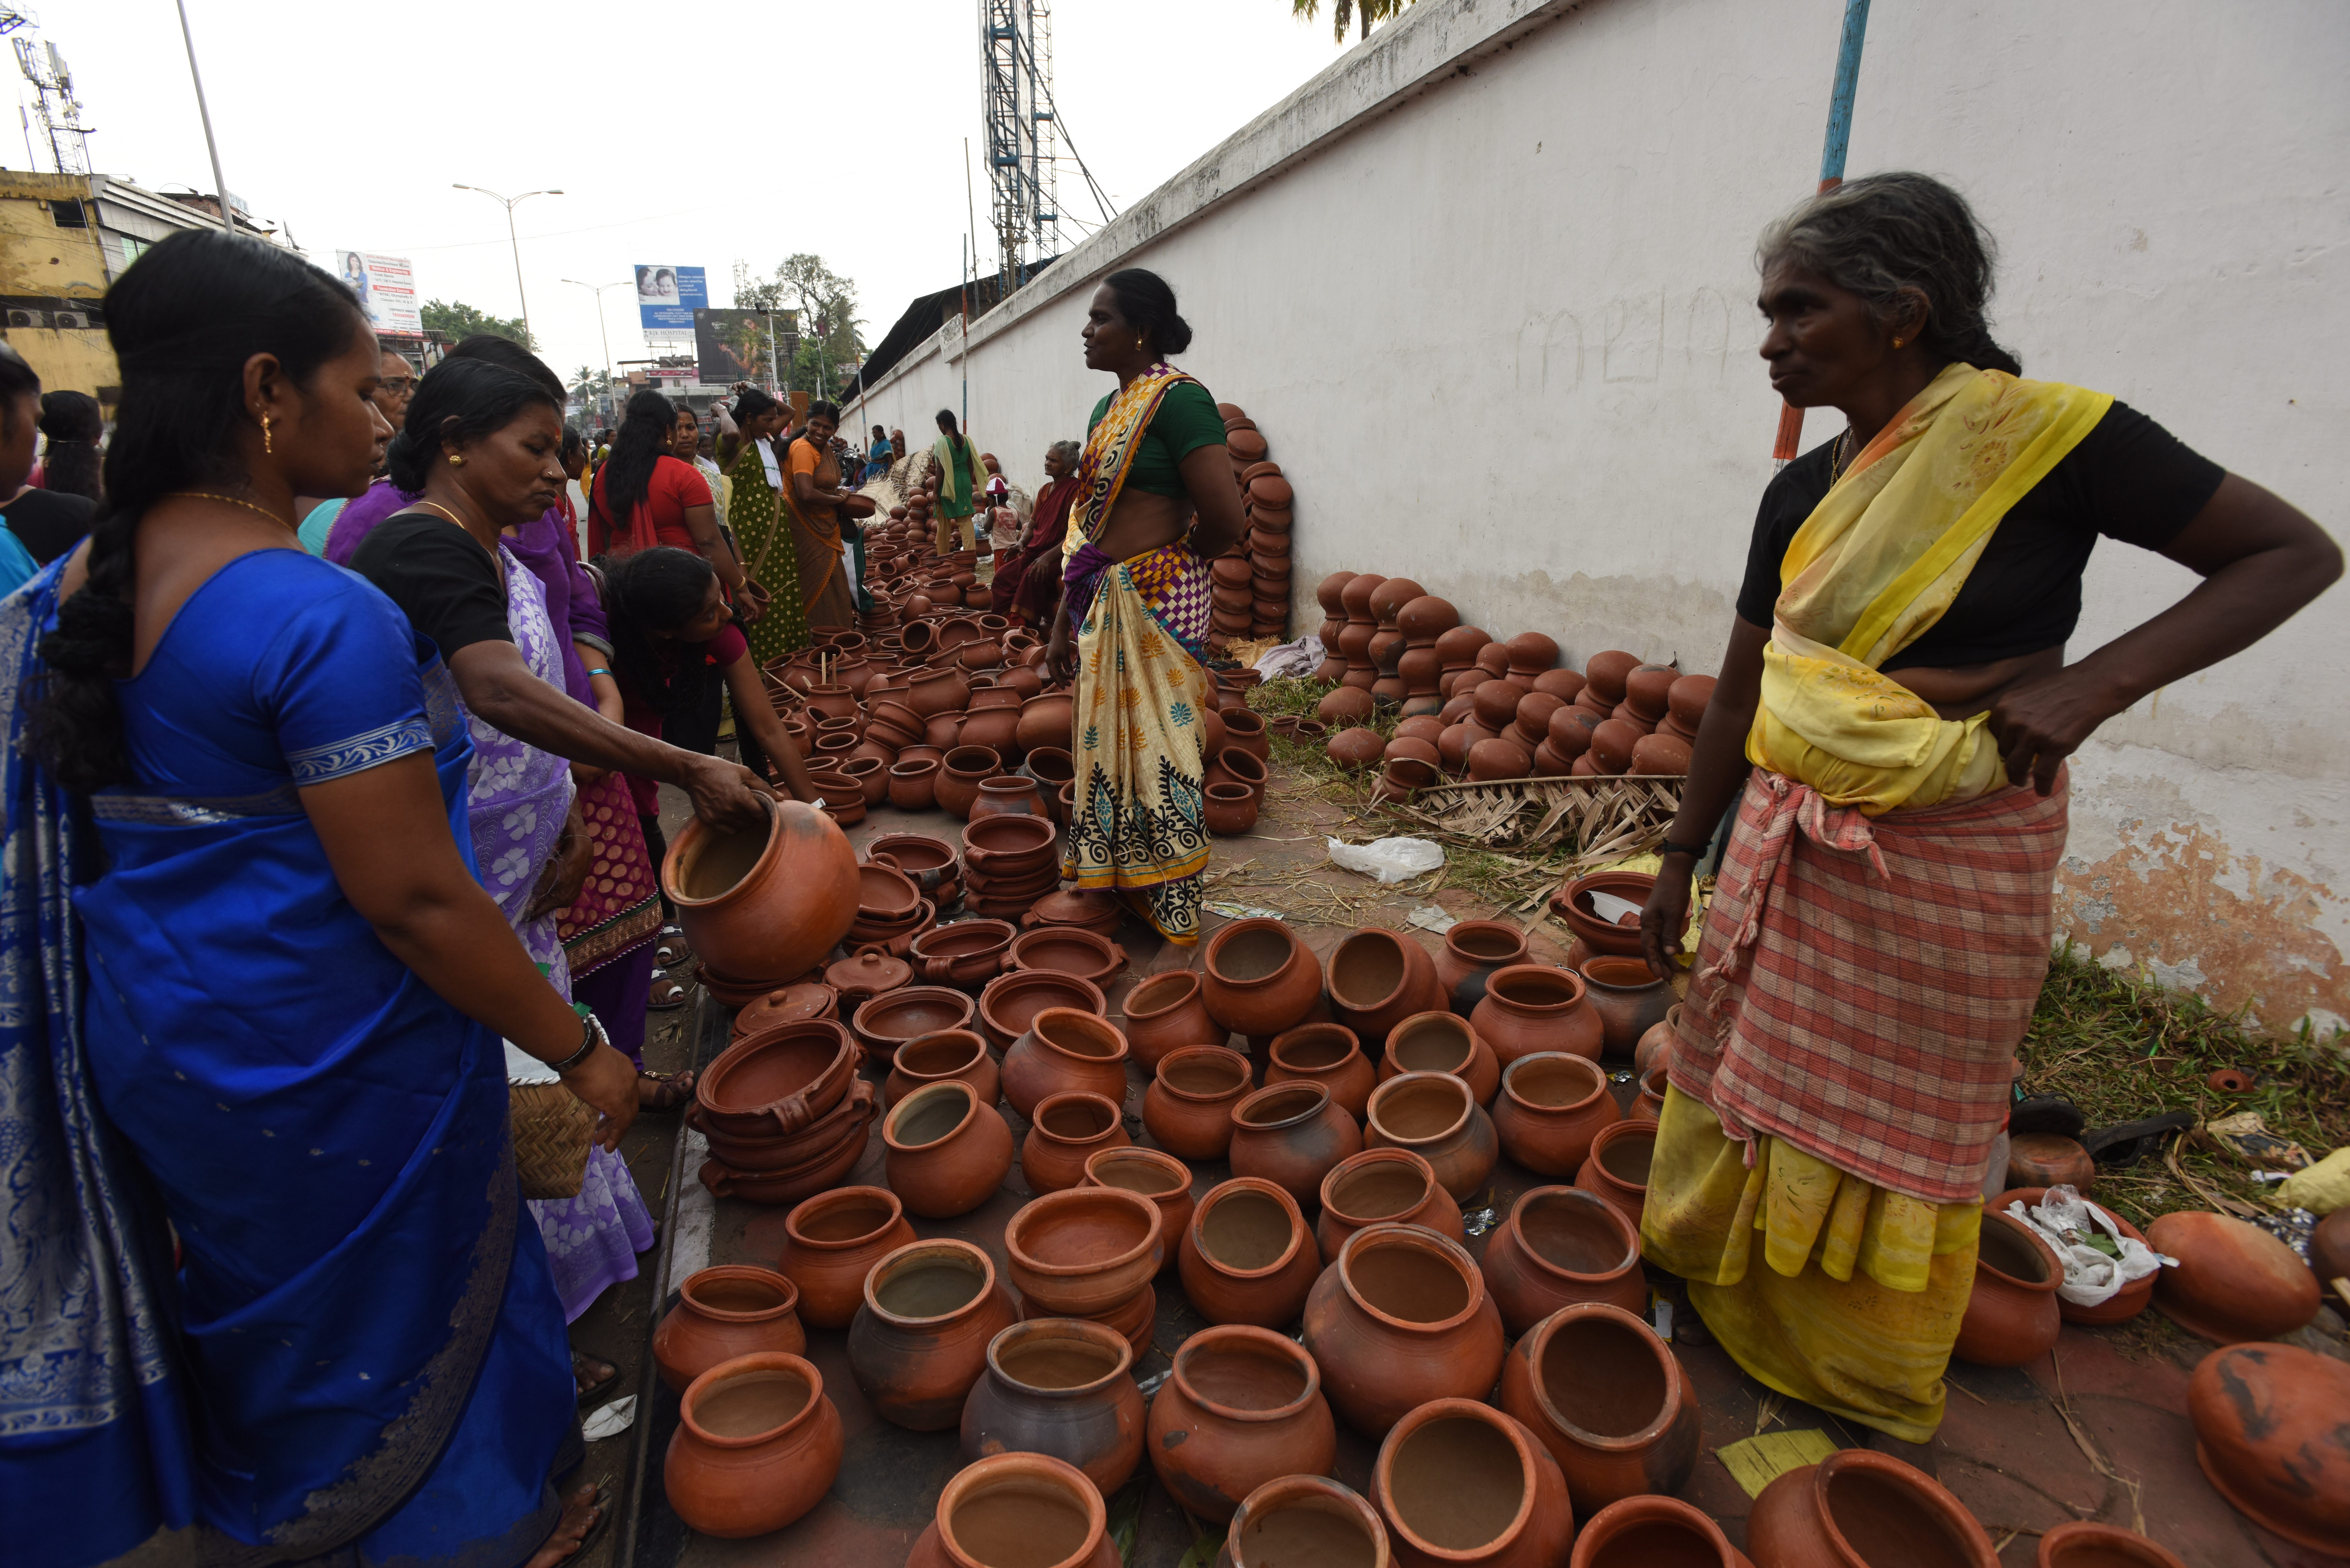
(671, 1090)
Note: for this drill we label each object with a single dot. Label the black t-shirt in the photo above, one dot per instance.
(49, 522)
(2129, 478)
(439, 576)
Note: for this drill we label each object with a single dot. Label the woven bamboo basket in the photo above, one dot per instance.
(552, 1130)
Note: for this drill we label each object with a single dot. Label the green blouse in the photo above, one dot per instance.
(1184, 421)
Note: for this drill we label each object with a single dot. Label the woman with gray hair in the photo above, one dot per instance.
(1892, 720)
(1028, 580)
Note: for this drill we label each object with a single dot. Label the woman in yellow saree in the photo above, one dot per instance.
(1155, 503)
(1892, 720)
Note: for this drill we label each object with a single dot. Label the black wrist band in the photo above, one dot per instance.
(592, 1035)
(1694, 851)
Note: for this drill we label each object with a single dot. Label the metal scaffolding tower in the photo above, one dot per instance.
(1021, 141)
(59, 112)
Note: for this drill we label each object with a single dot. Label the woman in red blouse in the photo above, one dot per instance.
(643, 496)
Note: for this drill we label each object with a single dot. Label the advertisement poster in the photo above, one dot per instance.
(730, 346)
(667, 297)
(386, 286)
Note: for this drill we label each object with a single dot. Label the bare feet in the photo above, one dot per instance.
(581, 1511)
(589, 1374)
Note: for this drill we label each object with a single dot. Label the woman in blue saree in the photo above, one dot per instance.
(273, 1011)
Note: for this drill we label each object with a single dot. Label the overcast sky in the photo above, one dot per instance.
(687, 136)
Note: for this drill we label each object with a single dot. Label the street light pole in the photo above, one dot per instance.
(597, 290)
(510, 203)
(204, 112)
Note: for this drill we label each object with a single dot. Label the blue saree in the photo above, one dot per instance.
(363, 1336)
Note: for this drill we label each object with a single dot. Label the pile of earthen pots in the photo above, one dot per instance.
(1249, 584)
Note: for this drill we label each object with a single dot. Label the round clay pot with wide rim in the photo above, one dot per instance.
(1017, 1510)
(1403, 1317)
(1551, 1106)
(1012, 1001)
(1442, 1043)
(961, 774)
(757, 1445)
(919, 1340)
(1161, 1178)
(1532, 1007)
(1188, 1108)
(948, 1149)
(1230, 809)
(735, 1309)
(2235, 1281)
(1328, 1055)
(1011, 795)
(1461, 1484)
(956, 1054)
(1609, 1398)
(1258, 978)
(908, 1013)
(1558, 1246)
(1066, 950)
(764, 905)
(1240, 1407)
(1063, 1050)
(1473, 949)
(1646, 1531)
(2123, 1305)
(2270, 1434)
(966, 954)
(1629, 999)
(1383, 1187)
(2082, 1544)
(1377, 979)
(832, 1241)
(1247, 1256)
(1435, 1117)
(1310, 1521)
(1617, 1168)
(2011, 1317)
(777, 1083)
(1856, 1506)
(1083, 1250)
(1068, 1129)
(929, 863)
(1292, 1134)
(1060, 1386)
(1163, 1013)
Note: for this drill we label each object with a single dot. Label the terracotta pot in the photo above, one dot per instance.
(1855, 1506)
(1017, 1510)
(1628, 997)
(1232, 766)
(1551, 1106)
(1247, 1257)
(1473, 949)
(1188, 1108)
(1060, 1386)
(1010, 1002)
(1066, 950)
(1558, 1246)
(1403, 1317)
(2271, 1435)
(965, 955)
(2123, 1305)
(938, 690)
(1435, 1116)
(832, 1241)
(1063, 1051)
(919, 1340)
(1377, 979)
(1643, 1532)
(1617, 1169)
(1649, 1106)
(1328, 1055)
(929, 863)
(1355, 748)
(1460, 1483)
(1608, 1399)
(1258, 978)
(819, 1164)
(1573, 905)
(1165, 1011)
(1383, 1187)
(778, 1082)
(955, 1055)
(757, 1445)
(1443, 1043)
(766, 905)
(1009, 846)
(1010, 795)
(1084, 1249)
(1290, 1135)
(2048, 1159)
(1533, 1007)
(2011, 1317)
(1132, 1320)
(1304, 1522)
(2235, 1281)
(948, 1149)
(944, 730)
(997, 729)
(1046, 721)
(768, 1152)
(1068, 1129)
(722, 1312)
(961, 774)
(1240, 1407)
(913, 786)
(1656, 1047)
(1244, 729)
(1160, 1177)
(909, 1013)
(1228, 809)
(810, 1000)
(2085, 1545)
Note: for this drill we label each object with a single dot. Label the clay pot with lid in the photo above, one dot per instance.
(2082, 1544)
(1617, 1168)
(1084, 1249)
(1459, 1482)
(1328, 1055)
(764, 905)
(948, 1149)
(1095, 912)
(1060, 1386)
(796, 1003)
(895, 1017)
(1164, 1012)
(1258, 978)
(1066, 950)
(1434, 1115)
(832, 1241)
(955, 1055)
(1188, 1108)
(1442, 1043)
(1377, 979)
(2049, 1160)
(1012, 1001)
(920, 1338)
(1551, 1106)
(733, 1309)
(1068, 1129)
(1017, 1510)
(1403, 1317)
(1247, 1256)
(1161, 1178)
(1383, 1187)
(966, 954)
(1645, 1531)
(1240, 1407)
(1290, 1135)
(2270, 1434)
(2235, 1281)
(1609, 1398)
(1532, 1007)
(1065, 1049)
(1628, 997)
(757, 1445)
(1558, 1246)
(2123, 1305)
(2011, 1317)
(1473, 949)
(1305, 1520)
(1858, 1506)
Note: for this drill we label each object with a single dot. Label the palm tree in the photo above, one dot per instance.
(1344, 11)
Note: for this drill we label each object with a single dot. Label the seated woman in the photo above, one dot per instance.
(1028, 580)
(1159, 503)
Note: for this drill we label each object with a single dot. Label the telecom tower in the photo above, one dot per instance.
(59, 112)
(1015, 40)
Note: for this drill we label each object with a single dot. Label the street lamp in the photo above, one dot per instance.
(597, 290)
(510, 203)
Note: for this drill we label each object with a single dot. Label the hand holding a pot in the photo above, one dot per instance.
(725, 795)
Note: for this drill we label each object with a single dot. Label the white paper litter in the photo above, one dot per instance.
(1388, 859)
(1232, 912)
(611, 1420)
(1429, 917)
(1611, 908)
(1303, 656)
(2091, 1278)
(521, 1067)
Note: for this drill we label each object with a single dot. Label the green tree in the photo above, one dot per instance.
(592, 387)
(1345, 11)
(456, 320)
(824, 304)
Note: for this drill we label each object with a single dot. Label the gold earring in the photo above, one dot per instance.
(456, 460)
(1897, 342)
(264, 432)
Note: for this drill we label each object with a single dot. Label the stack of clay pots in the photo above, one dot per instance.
(1010, 862)
(1250, 589)
(783, 1111)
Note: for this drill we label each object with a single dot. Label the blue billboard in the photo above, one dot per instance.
(667, 297)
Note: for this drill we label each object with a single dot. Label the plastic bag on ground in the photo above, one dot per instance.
(1388, 859)
(2321, 1189)
(1303, 656)
(2091, 1278)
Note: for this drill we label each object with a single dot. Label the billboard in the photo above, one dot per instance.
(730, 346)
(667, 297)
(386, 286)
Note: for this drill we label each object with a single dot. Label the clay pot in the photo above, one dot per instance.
(1607, 672)
(1131, 1320)
(2048, 1159)
(1304, 1522)
(1855, 1506)
(1095, 912)
(1258, 978)
(1649, 1106)
(966, 954)
(1328, 1055)
(832, 1241)
(1068, 1129)
(1434, 1115)
(1459, 1482)
(1597, 1388)
(1629, 999)
(955, 1055)
(1656, 1047)
(873, 971)
(1188, 1108)
(1010, 848)
(929, 863)
(919, 1340)
(1500, 759)
(1660, 756)
(1058, 1386)
(1532, 1007)
(2235, 1281)
(1084, 1249)
(1443, 1043)
(948, 1149)
(1551, 1106)
(785, 1171)
(777, 1083)
(1045, 721)
(1403, 1317)
(1017, 1510)
(888, 1020)
(1643, 1532)
(1230, 810)
(2270, 1434)
(1232, 766)
(1244, 731)
(1573, 905)
(1346, 705)
(1290, 1135)
(1160, 1177)
(1241, 1407)
(936, 691)
(1473, 949)
(722, 1312)
(1066, 950)
(1011, 795)
(2085, 1545)
(1064, 1051)
(763, 906)
(961, 774)
(913, 786)
(1012, 1001)
(2123, 1305)
(1383, 1187)
(757, 1445)
(1163, 1013)
(1377, 979)
(1617, 1169)
(1558, 1246)
(2011, 1317)
(1247, 1256)
(786, 1004)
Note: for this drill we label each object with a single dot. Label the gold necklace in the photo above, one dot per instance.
(495, 564)
(232, 500)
